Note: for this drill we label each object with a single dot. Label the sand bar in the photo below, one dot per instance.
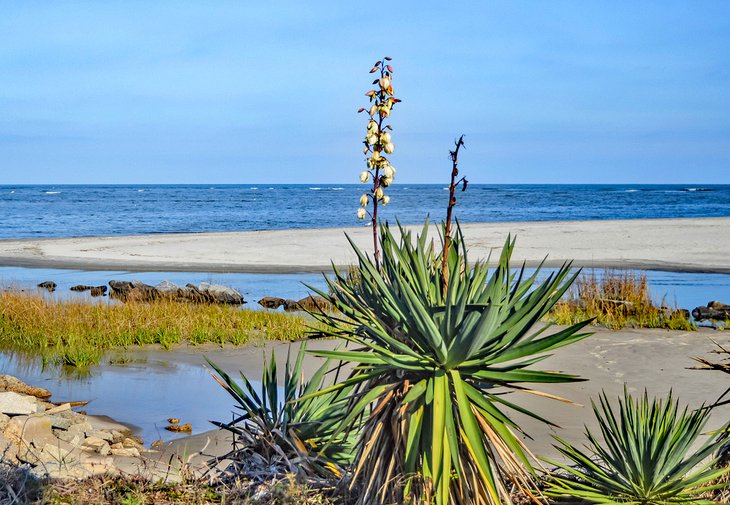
(690, 245)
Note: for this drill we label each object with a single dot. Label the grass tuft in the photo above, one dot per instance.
(79, 333)
(617, 300)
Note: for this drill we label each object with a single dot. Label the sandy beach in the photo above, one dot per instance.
(689, 245)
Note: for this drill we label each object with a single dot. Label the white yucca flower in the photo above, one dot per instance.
(378, 193)
(386, 200)
(364, 176)
(361, 213)
(389, 148)
(364, 200)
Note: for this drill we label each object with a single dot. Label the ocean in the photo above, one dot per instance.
(40, 211)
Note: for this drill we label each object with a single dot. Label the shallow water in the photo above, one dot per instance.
(141, 394)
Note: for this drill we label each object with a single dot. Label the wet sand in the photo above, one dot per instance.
(689, 245)
(658, 360)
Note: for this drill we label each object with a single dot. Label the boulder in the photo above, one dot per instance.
(309, 303)
(10, 383)
(134, 291)
(271, 302)
(48, 285)
(98, 291)
(30, 430)
(14, 404)
(218, 293)
(81, 288)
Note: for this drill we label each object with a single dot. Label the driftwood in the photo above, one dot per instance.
(714, 310)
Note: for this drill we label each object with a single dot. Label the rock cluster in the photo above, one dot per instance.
(202, 293)
(714, 311)
(310, 303)
(55, 441)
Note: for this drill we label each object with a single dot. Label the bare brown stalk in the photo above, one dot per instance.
(449, 211)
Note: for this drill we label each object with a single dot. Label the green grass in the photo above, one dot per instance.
(79, 333)
(616, 300)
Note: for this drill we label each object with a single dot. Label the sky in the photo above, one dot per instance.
(267, 92)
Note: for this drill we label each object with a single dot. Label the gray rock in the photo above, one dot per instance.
(3, 422)
(48, 285)
(60, 422)
(168, 287)
(12, 403)
(97, 445)
(221, 294)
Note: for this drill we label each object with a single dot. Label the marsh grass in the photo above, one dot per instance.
(616, 300)
(78, 333)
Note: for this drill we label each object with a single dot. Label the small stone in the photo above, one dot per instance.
(69, 437)
(104, 435)
(64, 407)
(97, 445)
(82, 427)
(117, 436)
(131, 442)
(59, 422)
(131, 452)
(14, 404)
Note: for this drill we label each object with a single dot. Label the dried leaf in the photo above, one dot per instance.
(360, 110)
(388, 58)
(374, 69)
(390, 69)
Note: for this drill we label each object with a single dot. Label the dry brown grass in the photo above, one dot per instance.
(78, 333)
(616, 300)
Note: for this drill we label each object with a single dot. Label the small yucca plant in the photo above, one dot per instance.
(648, 456)
(433, 361)
(288, 432)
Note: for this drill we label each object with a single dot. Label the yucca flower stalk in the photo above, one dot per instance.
(432, 367)
(648, 456)
(378, 143)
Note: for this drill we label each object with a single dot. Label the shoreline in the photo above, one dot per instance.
(696, 245)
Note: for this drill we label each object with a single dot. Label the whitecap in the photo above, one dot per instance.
(52, 192)
(253, 188)
(140, 190)
(315, 189)
(632, 191)
(696, 189)
(12, 192)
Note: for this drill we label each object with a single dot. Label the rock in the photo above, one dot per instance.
(180, 428)
(312, 303)
(104, 435)
(221, 294)
(718, 305)
(59, 409)
(173, 420)
(81, 288)
(3, 422)
(73, 438)
(712, 313)
(60, 422)
(271, 302)
(50, 286)
(131, 442)
(134, 291)
(97, 445)
(10, 383)
(30, 430)
(8, 450)
(13, 404)
(131, 452)
(168, 287)
(98, 291)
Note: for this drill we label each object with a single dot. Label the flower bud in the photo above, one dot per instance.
(373, 110)
(372, 139)
(361, 213)
(364, 176)
(378, 193)
(372, 126)
(388, 171)
(386, 181)
(385, 138)
(376, 156)
(384, 83)
(364, 200)
(389, 148)
(386, 200)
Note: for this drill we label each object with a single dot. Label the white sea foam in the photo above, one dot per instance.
(52, 192)
(316, 188)
(632, 191)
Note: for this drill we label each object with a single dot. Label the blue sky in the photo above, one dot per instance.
(249, 92)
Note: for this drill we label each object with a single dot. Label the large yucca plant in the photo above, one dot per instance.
(434, 360)
(287, 431)
(648, 456)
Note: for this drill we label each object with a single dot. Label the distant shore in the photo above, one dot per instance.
(682, 244)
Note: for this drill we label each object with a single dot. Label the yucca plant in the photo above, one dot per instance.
(287, 431)
(648, 456)
(432, 369)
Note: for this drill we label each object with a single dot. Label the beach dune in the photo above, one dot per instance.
(690, 245)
